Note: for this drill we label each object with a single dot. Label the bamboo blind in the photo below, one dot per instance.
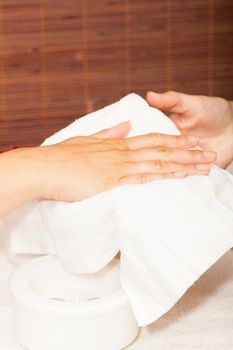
(60, 59)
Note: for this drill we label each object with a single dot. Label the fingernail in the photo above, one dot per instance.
(203, 166)
(180, 173)
(209, 155)
(193, 139)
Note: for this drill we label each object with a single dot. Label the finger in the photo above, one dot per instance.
(162, 167)
(147, 177)
(119, 131)
(187, 106)
(175, 102)
(162, 153)
(168, 101)
(156, 140)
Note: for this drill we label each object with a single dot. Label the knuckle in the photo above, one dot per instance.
(159, 164)
(157, 139)
(160, 137)
(154, 136)
(179, 140)
(143, 178)
(151, 135)
(122, 180)
(164, 151)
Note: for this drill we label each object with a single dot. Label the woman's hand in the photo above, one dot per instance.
(81, 167)
(210, 118)
(84, 166)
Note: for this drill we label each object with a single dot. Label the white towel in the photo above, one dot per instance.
(169, 232)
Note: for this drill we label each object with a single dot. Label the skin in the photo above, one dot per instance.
(81, 167)
(209, 118)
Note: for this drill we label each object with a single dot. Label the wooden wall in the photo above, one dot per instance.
(60, 59)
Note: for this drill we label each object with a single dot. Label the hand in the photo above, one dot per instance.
(81, 167)
(210, 118)
(84, 166)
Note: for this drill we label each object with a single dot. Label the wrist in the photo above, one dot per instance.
(32, 172)
(20, 177)
(45, 167)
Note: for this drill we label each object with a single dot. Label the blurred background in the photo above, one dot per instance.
(60, 59)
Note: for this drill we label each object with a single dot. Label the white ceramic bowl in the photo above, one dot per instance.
(56, 310)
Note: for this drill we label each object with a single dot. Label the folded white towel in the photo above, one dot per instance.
(169, 232)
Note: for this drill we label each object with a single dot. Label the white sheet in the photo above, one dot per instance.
(169, 232)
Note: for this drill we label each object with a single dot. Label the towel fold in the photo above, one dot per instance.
(169, 232)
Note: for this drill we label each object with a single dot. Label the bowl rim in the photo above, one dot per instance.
(23, 296)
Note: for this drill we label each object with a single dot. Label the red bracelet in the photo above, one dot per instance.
(9, 149)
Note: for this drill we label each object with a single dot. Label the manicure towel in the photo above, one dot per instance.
(169, 232)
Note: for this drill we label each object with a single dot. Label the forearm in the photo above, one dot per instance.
(19, 179)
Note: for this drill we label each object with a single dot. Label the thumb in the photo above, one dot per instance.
(168, 101)
(119, 131)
